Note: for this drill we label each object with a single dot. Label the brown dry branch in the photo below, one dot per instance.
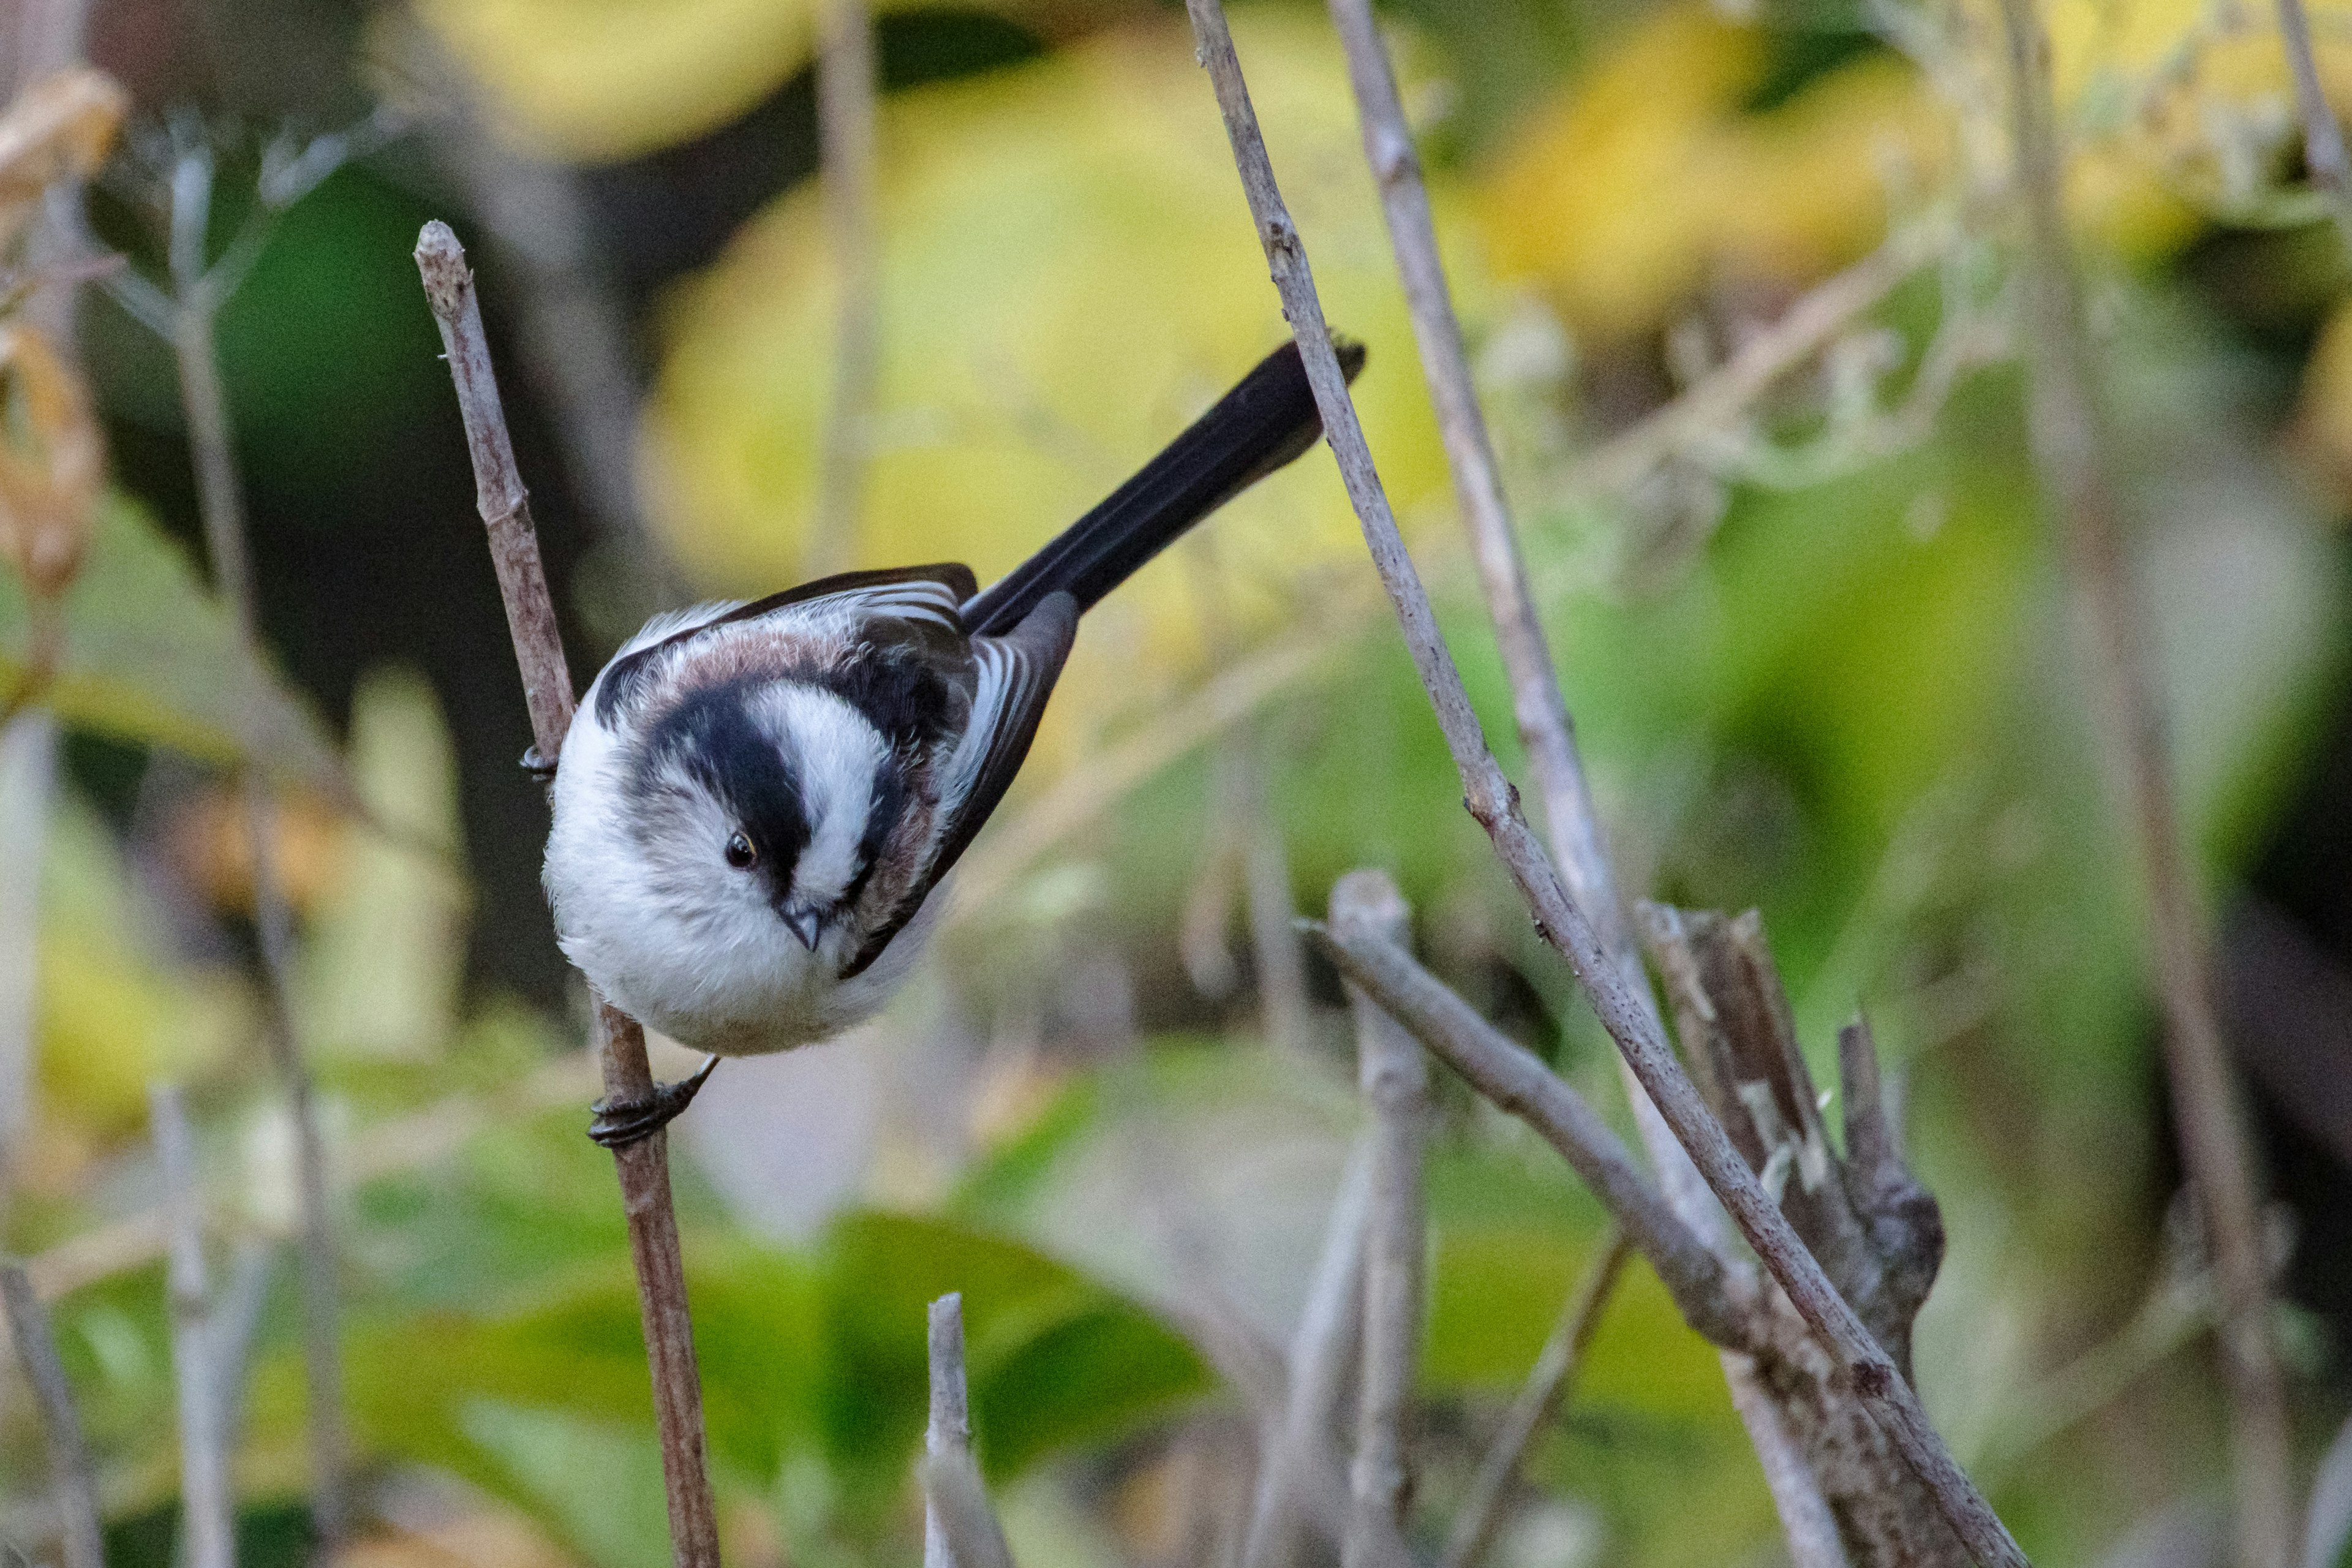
(2078, 478)
(846, 135)
(1518, 1081)
(1538, 1399)
(1393, 1079)
(1546, 732)
(207, 1509)
(960, 1529)
(198, 291)
(1321, 1349)
(2323, 138)
(73, 1478)
(644, 1166)
(1875, 1229)
(1494, 805)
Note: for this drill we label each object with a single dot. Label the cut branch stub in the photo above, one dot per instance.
(1876, 1230)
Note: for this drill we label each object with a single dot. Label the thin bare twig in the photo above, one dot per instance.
(74, 1480)
(1493, 804)
(1538, 1398)
(207, 1509)
(1714, 402)
(1547, 731)
(1320, 1348)
(644, 1166)
(2077, 474)
(1394, 1082)
(1516, 1081)
(196, 301)
(960, 1529)
(845, 132)
(2323, 139)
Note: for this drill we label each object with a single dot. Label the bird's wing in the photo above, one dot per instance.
(927, 595)
(1015, 675)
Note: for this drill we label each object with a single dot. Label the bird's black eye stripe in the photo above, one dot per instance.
(740, 852)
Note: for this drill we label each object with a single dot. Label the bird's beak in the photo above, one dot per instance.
(804, 924)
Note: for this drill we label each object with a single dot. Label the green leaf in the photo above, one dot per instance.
(152, 656)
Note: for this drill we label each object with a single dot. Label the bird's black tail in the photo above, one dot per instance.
(1264, 422)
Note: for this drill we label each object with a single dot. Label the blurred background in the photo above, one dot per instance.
(1740, 279)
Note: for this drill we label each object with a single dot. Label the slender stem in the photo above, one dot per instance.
(2323, 138)
(2077, 472)
(845, 120)
(1393, 1079)
(73, 1477)
(642, 1167)
(960, 1529)
(949, 1430)
(208, 1509)
(221, 499)
(1493, 803)
(1321, 1349)
(1539, 1397)
(1713, 403)
(1547, 731)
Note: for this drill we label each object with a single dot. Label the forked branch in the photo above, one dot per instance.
(1495, 805)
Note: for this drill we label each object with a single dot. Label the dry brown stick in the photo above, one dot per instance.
(1393, 1079)
(1548, 1384)
(845, 132)
(1516, 1081)
(1511, 1076)
(74, 1479)
(207, 1511)
(1321, 1349)
(220, 496)
(1547, 731)
(2323, 138)
(2077, 476)
(644, 1166)
(1493, 803)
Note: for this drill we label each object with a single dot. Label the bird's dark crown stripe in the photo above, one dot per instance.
(711, 736)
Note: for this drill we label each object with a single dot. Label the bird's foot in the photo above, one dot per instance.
(618, 1125)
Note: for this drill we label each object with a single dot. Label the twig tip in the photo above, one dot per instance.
(441, 261)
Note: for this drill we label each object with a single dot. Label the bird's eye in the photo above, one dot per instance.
(739, 853)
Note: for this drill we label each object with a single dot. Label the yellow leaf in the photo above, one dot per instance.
(1069, 274)
(599, 80)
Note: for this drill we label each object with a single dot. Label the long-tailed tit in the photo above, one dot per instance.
(756, 801)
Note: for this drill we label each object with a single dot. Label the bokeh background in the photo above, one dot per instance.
(1815, 638)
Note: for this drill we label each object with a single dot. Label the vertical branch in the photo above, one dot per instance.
(949, 1429)
(73, 1477)
(1394, 1080)
(845, 119)
(642, 1167)
(960, 1529)
(1493, 804)
(208, 1509)
(2077, 477)
(1320, 1348)
(2323, 138)
(1548, 1384)
(221, 501)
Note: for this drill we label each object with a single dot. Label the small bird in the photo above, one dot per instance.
(756, 801)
